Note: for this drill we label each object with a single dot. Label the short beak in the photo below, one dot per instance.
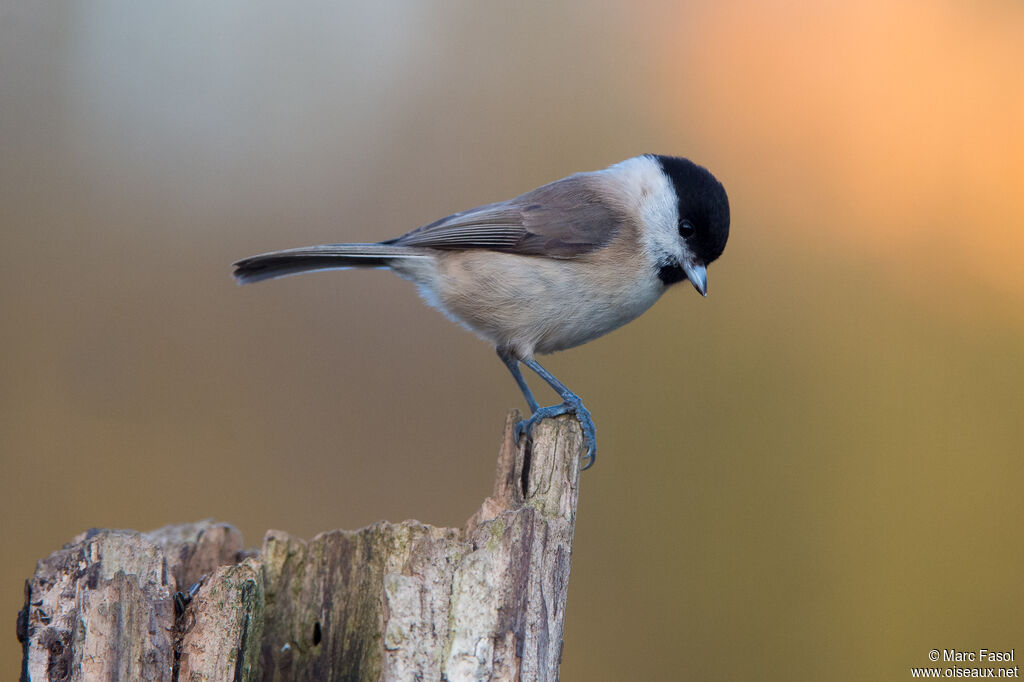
(698, 276)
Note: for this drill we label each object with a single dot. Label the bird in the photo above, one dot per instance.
(550, 269)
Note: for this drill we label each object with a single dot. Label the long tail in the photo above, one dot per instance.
(323, 257)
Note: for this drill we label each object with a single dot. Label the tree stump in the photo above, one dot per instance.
(392, 601)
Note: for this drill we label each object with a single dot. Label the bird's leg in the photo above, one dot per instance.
(571, 403)
(513, 366)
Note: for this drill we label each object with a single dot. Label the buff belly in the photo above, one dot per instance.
(530, 304)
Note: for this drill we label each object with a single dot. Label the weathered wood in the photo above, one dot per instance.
(392, 601)
(218, 634)
(103, 606)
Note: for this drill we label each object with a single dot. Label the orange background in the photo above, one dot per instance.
(815, 473)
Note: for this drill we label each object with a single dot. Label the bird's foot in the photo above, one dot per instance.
(569, 406)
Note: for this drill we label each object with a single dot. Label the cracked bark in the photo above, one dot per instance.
(392, 601)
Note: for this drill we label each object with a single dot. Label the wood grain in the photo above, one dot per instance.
(392, 601)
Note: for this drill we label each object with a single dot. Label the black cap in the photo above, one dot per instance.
(702, 203)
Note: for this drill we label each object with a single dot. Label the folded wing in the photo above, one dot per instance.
(563, 219)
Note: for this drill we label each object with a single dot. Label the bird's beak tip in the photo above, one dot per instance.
(698, 276)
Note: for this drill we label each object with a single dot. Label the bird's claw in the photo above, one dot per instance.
(567, 407)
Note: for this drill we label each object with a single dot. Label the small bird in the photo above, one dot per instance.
(553, 268)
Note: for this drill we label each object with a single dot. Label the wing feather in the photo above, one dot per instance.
(563, 219)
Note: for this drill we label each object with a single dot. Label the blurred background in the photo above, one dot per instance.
(815, 473)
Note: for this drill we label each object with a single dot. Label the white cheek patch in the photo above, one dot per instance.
(656, 203)
(645, 191)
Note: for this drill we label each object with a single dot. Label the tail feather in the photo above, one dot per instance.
(323, 257)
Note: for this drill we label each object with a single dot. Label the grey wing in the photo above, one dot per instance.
(563, 219)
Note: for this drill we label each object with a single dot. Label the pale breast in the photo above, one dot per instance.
(535, 304)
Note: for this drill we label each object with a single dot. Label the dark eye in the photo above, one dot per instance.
(686, 228)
